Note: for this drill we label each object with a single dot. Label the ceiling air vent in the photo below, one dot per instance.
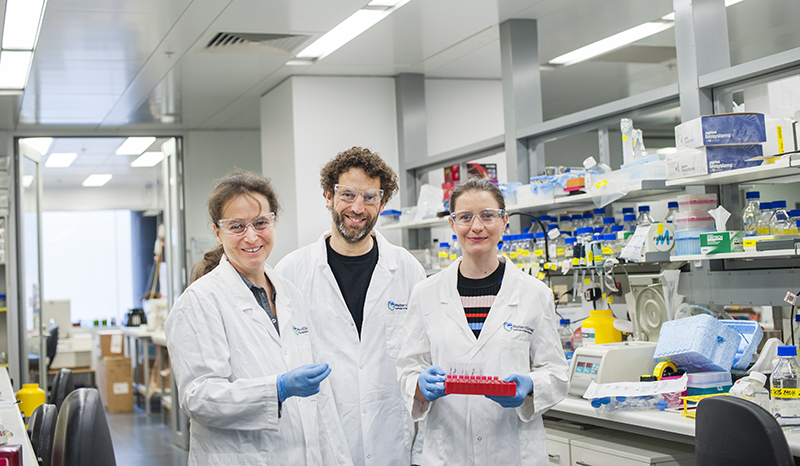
(284, 44)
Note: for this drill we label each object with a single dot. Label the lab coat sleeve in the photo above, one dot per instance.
(548, 364)
(414, 357)
(199, 353)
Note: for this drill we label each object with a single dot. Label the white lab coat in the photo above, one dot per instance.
(379, 430)
(519, 336)
(226, 356)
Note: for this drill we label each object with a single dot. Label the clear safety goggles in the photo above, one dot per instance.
(486, 216)
(237, 226)
(348, 194)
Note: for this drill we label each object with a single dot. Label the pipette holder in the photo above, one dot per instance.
(478, 385)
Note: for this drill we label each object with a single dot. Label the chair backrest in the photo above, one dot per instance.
(82, 437)
(731, 431)
(62, 386)
(52, 344)
(41, 430)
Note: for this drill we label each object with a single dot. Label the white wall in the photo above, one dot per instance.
(328, 115)
(104, 198)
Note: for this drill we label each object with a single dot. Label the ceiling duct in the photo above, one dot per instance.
(283, 44)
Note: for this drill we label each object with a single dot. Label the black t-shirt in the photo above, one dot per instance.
(353, 274)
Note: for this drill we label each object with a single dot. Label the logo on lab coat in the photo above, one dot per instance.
(509, 327)
(393, 306)
(300, 330)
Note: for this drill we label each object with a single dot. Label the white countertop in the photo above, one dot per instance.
(11, 419)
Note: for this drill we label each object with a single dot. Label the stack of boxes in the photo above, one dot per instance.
(113, 373)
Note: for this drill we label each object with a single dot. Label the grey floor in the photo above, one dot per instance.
(141, 440)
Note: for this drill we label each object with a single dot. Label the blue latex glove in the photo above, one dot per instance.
(524, 387)
(302, 381)
(428, 385)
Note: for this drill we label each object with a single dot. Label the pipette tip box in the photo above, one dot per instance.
(478, 385)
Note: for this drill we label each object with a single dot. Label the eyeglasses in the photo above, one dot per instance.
(237, 226)
(348, 194)
(486, 216)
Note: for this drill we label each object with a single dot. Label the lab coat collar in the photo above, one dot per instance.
(385, 260)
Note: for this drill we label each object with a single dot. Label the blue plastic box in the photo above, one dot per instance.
(750, 335)
(726, 129)
(698, 344)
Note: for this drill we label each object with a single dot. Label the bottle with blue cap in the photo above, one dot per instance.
(577, 222)
(750, 213)
(644, 217)
(565, 334)
(619, 239)
(608, 222)
(455, 249)
(672, 209)
(794, 217)
(779, 222)
(539, 248)
(629, 222)
(444, 255)
(597, 218)
(785, 401)
(763, 218)
(587, 219)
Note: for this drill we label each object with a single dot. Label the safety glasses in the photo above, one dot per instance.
(237, 226)
(348, 194)
(486, 216)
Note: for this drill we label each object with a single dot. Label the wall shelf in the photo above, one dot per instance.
(788, 253)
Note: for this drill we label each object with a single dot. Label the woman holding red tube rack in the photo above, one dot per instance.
(482, 312)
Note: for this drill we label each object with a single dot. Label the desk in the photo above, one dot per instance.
(11, 419)
(134, 336)
(659, 424)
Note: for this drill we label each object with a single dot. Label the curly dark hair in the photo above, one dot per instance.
(359, 157)
(233, 184)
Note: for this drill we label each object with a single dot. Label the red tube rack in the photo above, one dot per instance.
(478, 385)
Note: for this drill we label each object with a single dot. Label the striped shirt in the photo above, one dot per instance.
(478, 295)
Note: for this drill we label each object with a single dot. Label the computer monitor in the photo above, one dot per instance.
(59, 312)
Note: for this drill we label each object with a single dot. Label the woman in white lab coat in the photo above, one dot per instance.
(240, 345)
(482, 313)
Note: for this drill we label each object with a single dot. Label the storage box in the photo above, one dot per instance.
(110, 343)
(712, 159)
(751, 334)
(708, 383)
(697, 344)
(721, 241)
(724, 129)
(115, 384)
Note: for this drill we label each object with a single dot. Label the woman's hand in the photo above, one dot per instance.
(524, 387)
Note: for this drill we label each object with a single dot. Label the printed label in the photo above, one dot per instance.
(790, 298)
(785, 392)
(121, 388)
(600, 184)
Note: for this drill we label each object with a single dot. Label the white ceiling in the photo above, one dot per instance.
(141, 65)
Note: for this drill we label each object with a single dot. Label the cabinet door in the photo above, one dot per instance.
(585, 457)
(558, 452)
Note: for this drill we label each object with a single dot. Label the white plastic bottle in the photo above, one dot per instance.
(752, 388)
(763, 219)
(565, 334)
(672, 207)
(785, 389)
(750, 213)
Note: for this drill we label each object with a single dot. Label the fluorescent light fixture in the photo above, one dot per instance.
(21, 24)
(60, 159)
(297, 62)
(350, 28)
(148, 159)
(96, 180)
(27, 181)
(135, 146)
(41, 145)
(611, 43)
(671, 16)
(14, 68)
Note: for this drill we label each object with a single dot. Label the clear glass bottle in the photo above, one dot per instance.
(565, 335)
(779, 222)
(763, 218)
(644, 217)
(794, 217)
(750, 213)
(597, 219)
(455, 249)
(569, 247)
(539, 247)
(608, 222)
(628, 210)
(785, 401)
(609, 243)
(565, 224)
(672, 207)
(525, 250)
(752, 388)
(629, 222)
(587, 219)
(512, 248)
(577, 222)
(444, 255)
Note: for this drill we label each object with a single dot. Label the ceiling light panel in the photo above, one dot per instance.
(148, 159)
(60, 159)
(135, 146)
(614, 42)
(21, 25)
(14, 68)
(96, 180)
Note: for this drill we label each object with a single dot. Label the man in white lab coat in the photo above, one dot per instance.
(357, 286)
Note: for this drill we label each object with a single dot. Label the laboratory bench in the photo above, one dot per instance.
(11, 419)
(135, 336)
(667, 425)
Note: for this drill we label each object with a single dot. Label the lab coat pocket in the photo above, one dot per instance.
(433, 448)
(395, 333)
(514, 357)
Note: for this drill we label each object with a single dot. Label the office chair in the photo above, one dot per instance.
(50, 350)
(41, 429)
(62, 386)
(82, 437)
(731, 431)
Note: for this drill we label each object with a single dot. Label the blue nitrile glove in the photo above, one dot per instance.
(428, 385)
(524, 386)
(302, 381)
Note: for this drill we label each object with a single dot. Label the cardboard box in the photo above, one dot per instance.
(721, 241)
(115, 384)
(725, 129)
(712, 159)
(110, 343)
